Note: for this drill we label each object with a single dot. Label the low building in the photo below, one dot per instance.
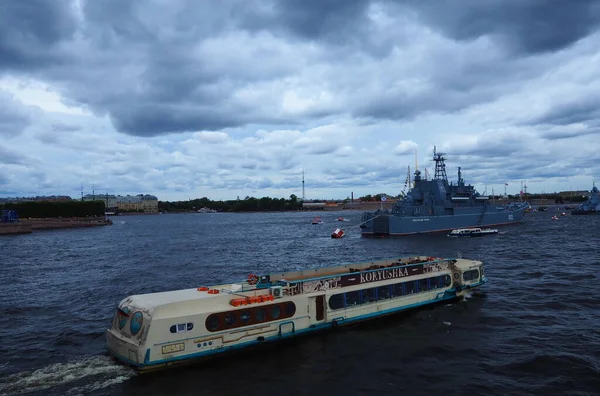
(127, 203)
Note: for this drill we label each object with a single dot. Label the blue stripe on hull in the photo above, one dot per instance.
(449, 294)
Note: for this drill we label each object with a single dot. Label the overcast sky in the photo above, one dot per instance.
(185, 99)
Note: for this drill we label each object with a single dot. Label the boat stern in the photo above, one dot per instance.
(126, 338)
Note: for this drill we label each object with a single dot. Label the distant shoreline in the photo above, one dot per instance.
(27, 226)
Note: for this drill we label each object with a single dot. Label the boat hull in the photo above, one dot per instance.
(343, 320)
(390, 224)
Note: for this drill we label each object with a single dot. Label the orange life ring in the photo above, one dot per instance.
(213, 291)
(252, 279)
(203, 288)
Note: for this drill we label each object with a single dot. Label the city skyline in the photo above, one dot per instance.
(238, 100)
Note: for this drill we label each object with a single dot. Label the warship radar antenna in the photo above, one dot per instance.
(461, 182)
(440, 166)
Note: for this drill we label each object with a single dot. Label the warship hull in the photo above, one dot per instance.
(390, 224)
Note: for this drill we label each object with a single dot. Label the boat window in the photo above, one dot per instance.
(368, 295)
(260, 315)
(249, 316)
(212, 323)
(383, 292)
(181, 327)
(398, 290)
(352, 298)
(229, 319)
(447, 280)
(122, 317)
(245, 316)
(136, 323)
(471, 275)
(336, 301)
(290, 309)
(275, 312)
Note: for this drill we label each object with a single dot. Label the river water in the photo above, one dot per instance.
(534, 329)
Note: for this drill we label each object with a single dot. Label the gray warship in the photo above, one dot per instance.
(592, 205)
(436, 205)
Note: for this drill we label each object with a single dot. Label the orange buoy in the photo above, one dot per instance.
(203, 288)
(213, 291)
(236, 302)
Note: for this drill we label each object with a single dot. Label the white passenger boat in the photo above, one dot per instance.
(157, 330)
(472, 232)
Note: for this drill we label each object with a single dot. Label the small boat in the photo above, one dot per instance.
(472, 232)
(160, 330)
(341, 219)
(338, 233)
(317, 220)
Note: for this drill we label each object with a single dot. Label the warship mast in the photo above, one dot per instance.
(440, 166)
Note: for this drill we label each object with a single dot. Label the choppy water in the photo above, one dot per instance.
(533, 329)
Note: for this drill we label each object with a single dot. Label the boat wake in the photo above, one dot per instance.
(73, 378)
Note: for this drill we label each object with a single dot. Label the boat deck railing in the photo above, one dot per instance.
(353, 269)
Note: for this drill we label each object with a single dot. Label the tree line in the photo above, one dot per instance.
(248, 204)
(45, 209)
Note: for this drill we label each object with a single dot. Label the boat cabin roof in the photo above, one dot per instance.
(178, 302)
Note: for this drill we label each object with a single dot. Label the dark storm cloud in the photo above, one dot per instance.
(336, 21)
(171, 67)
(30, 31)
(530, 26)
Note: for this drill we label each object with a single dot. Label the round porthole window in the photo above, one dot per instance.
(290, 309)
(136, 323)
(212, 323)
(245, 317)
(275, 312)
(261, 315)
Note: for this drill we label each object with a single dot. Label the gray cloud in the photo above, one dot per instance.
(11, 157)
(14, 116)
(31, 32)
(526, 26)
